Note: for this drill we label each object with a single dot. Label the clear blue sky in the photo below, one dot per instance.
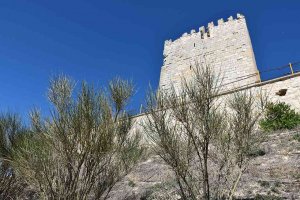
(96, 40)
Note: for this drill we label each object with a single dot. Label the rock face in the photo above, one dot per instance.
(275, 175)
(277, 172)
(144, 178)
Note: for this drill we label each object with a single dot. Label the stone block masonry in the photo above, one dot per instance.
(290, 83)
(226, 47)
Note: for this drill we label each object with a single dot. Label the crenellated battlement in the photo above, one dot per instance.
(226, 45)
(204, 31)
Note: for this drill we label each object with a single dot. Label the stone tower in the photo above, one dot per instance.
(226, 47)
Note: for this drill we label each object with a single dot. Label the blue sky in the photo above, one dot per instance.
(96, 40)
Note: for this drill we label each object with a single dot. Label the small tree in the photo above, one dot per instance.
(85, 147)
(204, 139)
(244, 138)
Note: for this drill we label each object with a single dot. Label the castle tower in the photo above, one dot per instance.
(226, 47)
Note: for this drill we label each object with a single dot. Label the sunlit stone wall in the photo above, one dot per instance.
(226, 47)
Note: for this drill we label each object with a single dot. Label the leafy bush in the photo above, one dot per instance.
(256, 153)
(279, 116)
(297, 137)
(131, 183)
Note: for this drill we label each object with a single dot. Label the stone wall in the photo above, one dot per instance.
(226, 48)
(292, 96)
(292, 85)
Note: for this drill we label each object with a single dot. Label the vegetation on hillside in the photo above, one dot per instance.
(80, 152)
(279, 116)
(205, 140)
(87, 144)
(11, 130)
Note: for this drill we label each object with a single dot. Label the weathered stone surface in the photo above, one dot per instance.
(277, 173)
(292, 95)
(226, 47)
(143, 178)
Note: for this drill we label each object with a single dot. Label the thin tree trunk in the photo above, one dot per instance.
(206, 191)
(232, 191)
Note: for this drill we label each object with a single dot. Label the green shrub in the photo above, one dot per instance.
(275, 190)
(131, 183)
(279, 116)
(264, 183)
(256, 153)
(297, 137)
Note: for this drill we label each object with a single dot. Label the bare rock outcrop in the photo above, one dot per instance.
(275, 175)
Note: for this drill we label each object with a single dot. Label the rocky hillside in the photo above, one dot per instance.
(273, 174)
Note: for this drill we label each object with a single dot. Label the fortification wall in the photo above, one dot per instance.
(290, 83)
(226, 48)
